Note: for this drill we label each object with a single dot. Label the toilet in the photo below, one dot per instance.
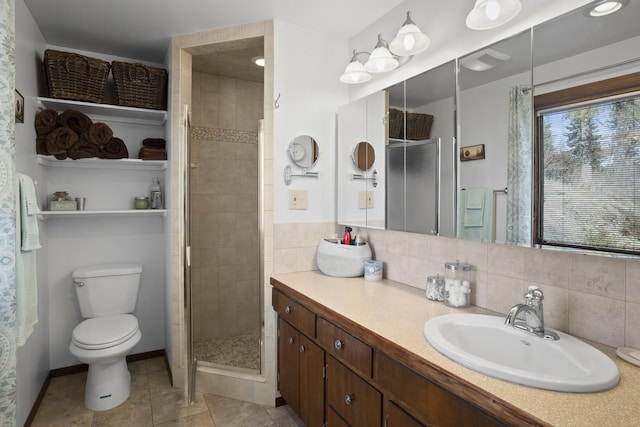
(107, 294)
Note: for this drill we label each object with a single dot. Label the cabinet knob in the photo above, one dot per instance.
(290, 340)
(301, 348)
(287, 309)
(348, 399)
(338, 345)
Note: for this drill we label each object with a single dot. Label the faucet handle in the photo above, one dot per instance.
(534, 293)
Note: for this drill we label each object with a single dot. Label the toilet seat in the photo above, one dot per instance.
(104, 332)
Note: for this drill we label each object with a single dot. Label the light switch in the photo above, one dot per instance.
(365, 200)
(298, 199)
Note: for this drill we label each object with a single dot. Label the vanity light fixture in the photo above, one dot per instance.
(605, 7)
(258, 60)
(381, 60)
(355, 72)
(487, 14)
(409, 40)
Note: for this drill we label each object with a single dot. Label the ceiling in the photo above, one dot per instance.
(142, 29)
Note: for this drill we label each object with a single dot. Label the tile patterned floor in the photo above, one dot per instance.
(153, 402)
(241, 351)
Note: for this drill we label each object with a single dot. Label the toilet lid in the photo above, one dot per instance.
(104, 332)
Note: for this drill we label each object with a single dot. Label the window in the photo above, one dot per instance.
(588, 166)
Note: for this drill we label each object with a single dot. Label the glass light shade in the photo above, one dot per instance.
(487, 14)
(381, 59)
(409, 40)
(355, 73)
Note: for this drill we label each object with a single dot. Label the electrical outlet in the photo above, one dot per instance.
(365, 200)
(298, 199)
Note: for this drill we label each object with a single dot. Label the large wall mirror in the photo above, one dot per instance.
(496, 88)
(494, 194)
(409, 128)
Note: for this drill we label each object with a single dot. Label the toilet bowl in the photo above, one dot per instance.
(103, 343)
(107, 295)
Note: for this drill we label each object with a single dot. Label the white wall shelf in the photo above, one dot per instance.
(118, 212)
(94, 163)
(108, 112)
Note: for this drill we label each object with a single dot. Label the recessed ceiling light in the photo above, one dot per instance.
(606, 7)
(258, 60)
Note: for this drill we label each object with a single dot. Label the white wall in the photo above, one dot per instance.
(33, 357)
(73, 242)
(307, 66)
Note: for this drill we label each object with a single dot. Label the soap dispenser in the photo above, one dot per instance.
(346, 239)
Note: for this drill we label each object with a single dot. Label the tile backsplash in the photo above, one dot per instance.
(590, 296)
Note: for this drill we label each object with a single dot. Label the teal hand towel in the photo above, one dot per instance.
(476, 223)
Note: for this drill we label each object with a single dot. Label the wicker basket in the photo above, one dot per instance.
(418, 126)
(76, 77)
(396, 124)
(139, 85)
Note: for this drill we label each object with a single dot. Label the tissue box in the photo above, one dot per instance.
(63, 205)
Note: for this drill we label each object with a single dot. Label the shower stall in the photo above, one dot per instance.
(224, 217)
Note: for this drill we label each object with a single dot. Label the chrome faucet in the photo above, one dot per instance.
(533, 315)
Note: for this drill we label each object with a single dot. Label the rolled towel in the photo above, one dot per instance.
(150, 153)
(46, 121)
(98, 134)
(60, 140)
(114, 149)
(61, 156)
(154, 142)
(76, 121)
(83, 149)
(41, 145)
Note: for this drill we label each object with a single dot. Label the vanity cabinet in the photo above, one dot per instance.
(351, 397)
(300, 361)
(328, 372)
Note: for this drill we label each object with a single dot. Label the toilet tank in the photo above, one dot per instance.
(107, 289)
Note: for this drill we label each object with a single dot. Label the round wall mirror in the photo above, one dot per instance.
(303, 151)
(363, 156)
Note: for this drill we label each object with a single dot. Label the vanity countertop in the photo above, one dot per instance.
(393, 315)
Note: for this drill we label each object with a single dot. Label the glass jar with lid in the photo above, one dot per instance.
(458, 282)
(435, 287)
(141, 202)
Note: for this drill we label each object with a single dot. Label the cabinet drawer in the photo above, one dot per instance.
(345, 347)
(426, 401)
(357, 402)
(294, 313)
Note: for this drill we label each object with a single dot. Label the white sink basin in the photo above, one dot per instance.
(486, 345)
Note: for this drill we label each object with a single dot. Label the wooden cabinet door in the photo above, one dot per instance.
(289, 364)
(355, 400)
(334, 420)
(311, 383)
(396, 417)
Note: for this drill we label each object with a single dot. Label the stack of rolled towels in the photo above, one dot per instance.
(153, 149)
(72, 134)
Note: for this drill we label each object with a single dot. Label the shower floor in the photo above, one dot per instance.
(240, 351)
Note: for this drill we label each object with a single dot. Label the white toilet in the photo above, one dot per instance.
(106, 294)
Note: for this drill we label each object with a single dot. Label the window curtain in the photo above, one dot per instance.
(520, 160)
(7, 216)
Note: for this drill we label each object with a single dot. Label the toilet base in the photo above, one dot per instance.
(108, 385)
